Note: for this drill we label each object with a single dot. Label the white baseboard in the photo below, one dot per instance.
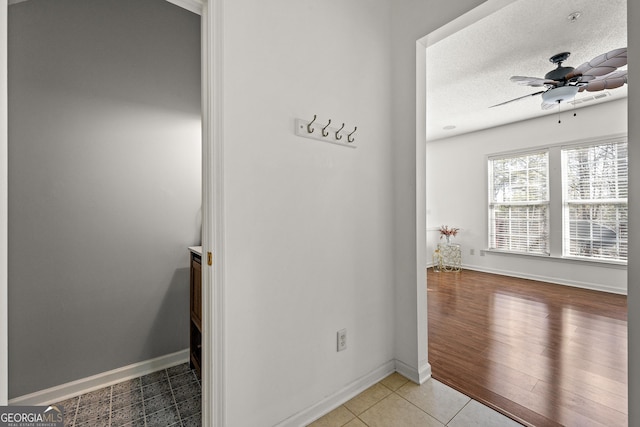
(418, 376)
(95, 382)
(329, 403)
(425, 372)
(354, 388)
(548, 279)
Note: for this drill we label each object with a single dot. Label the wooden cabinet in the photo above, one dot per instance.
(195, 323)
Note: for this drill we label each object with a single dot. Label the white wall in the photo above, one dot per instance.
(457, 192)
(411, 21)
(309, 239)
(319, 237)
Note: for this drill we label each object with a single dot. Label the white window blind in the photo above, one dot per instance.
(519, 203)
(595, 210)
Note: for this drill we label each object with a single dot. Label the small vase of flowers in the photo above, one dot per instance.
(448, 233)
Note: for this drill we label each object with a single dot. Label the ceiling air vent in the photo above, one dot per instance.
(599, 95)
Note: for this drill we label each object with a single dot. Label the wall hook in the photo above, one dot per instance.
(310, 123)
(349, 136)
(324, 129)
(326, 133)
(339, 137)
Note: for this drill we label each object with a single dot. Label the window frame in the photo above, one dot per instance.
(491, 234)
(566, 203)
(555, 236)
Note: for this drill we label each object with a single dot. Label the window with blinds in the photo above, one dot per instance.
(595, 210)
(519, 203)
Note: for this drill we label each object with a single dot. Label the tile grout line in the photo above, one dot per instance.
(371, 406)
(193, 372)
(456, 414)
(385, 397)
(173, 396)
(419, 408)
(110, 403)
(196, 376)
(356, 416)
(75, 413)
(362, 421)
(144, 410)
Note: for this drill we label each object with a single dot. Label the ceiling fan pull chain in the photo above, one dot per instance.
(559, 121)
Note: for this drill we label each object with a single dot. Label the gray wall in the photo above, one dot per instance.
(104, 185)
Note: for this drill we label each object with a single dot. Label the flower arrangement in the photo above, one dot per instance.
(448, 232)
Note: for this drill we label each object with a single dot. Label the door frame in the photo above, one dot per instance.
(213, 370)
(213, 315)
(213, 224)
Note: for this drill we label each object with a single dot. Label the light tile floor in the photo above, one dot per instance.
(170, 397)
(398, 402)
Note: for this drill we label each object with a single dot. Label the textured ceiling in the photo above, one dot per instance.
(469, 71)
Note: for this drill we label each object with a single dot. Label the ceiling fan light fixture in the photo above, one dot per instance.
(560, 94)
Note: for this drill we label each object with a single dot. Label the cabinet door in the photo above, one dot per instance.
(196, 291)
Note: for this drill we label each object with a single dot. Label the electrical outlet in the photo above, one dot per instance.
(481, 253)
(342, 339)
(472, 251)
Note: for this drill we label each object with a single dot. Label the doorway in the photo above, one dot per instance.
(126, 162)
(476, 232)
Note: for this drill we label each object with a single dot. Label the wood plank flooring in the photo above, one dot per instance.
(543, 354)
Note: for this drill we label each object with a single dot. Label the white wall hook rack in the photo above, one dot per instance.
(322, 131)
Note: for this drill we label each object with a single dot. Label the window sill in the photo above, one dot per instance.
(621, 265)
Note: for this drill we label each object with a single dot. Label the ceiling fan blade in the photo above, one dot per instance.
(518, 99)
(582, 79)
(601, 64)
(532, 81)
(609, 81)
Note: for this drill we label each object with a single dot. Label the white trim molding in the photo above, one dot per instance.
(329, 403)
(98, 381)
(548, 279)
(354, 388)
(421, 224)
(213, 337)
(424, 371)
(213, 221)
(418, 376)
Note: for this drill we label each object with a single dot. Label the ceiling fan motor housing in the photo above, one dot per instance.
(559, 73)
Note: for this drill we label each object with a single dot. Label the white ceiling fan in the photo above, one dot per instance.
(563, 83)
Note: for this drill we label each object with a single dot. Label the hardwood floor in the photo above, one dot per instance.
(543, 354)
